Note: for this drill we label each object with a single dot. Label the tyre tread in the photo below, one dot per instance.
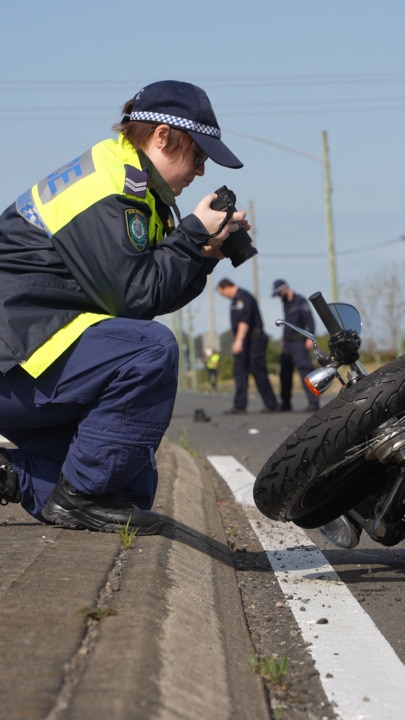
(322, 440)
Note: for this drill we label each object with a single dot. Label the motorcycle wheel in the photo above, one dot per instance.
(321, 471)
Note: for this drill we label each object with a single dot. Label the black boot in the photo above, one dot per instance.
(72, 508)
(9, 489)
(200, 416)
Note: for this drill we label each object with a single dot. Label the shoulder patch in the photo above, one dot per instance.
(137, 228)
(26, 207)
(66, 176)
(136, 181)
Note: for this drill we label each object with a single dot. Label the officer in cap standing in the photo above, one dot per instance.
(295, 348)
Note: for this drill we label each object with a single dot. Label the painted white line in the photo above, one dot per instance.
(237, 477)
(6, 443)
(359, 671)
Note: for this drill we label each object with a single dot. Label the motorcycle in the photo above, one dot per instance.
(343, 470)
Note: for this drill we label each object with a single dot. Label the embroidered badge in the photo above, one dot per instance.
(136, 228)
(170, 224)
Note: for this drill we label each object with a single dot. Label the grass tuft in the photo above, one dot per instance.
(127, 536)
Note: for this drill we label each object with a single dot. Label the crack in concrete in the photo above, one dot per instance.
(73, 671)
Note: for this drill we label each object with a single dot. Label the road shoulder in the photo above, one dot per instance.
(156, 631)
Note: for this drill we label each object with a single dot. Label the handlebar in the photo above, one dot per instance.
(325, 313)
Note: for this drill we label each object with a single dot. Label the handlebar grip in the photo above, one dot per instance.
(325, 313)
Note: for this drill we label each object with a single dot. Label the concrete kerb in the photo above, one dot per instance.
(89, 630)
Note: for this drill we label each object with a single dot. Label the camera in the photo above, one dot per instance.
(238, 246)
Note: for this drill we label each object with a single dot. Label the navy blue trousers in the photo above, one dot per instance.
(295, 354)
(97, 414)
(252, 360)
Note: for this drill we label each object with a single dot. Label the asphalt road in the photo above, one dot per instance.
(169, 627)
(373, 574)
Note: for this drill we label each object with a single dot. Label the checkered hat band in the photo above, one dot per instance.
(179, 122)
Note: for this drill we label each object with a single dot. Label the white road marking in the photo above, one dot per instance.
(6, 443)
(359, 671)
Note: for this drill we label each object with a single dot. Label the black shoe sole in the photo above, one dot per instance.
(58, 515)
(9, 488)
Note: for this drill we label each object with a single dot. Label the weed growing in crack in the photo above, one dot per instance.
(97, 613)
(272, 669)
(230, 534)
(127, 536)
(183, 439)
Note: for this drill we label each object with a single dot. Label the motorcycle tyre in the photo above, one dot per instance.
(306, 480)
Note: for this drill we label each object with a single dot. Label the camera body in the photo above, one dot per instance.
(238, 247)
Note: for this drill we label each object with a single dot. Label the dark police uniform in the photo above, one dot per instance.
(252, 359)
(87, 378)
(88, 242)
(294, 352)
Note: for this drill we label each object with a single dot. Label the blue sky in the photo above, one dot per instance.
(278, 73)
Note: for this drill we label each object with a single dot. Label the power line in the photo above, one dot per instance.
(227, 82)
(352, 251)
(277, 109)
(254, 106)
(272, 107)
(264, 141)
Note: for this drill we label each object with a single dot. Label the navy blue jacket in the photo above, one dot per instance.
(297, 312)
(244, 308)
(92, 238)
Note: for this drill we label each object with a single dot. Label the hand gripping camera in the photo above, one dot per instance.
(238, 246)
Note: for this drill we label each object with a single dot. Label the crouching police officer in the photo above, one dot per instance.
(88, 257)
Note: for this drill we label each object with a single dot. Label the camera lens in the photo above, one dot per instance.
(238, 247)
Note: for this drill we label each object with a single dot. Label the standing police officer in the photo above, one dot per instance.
(296, 348)
(249, 347)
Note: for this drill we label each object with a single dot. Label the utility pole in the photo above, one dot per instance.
(212, 332)
(252, 233)
(191, 349)
(177, 328)
(328, 193)
(329, 220)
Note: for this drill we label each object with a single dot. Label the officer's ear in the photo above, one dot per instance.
(161, 136)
